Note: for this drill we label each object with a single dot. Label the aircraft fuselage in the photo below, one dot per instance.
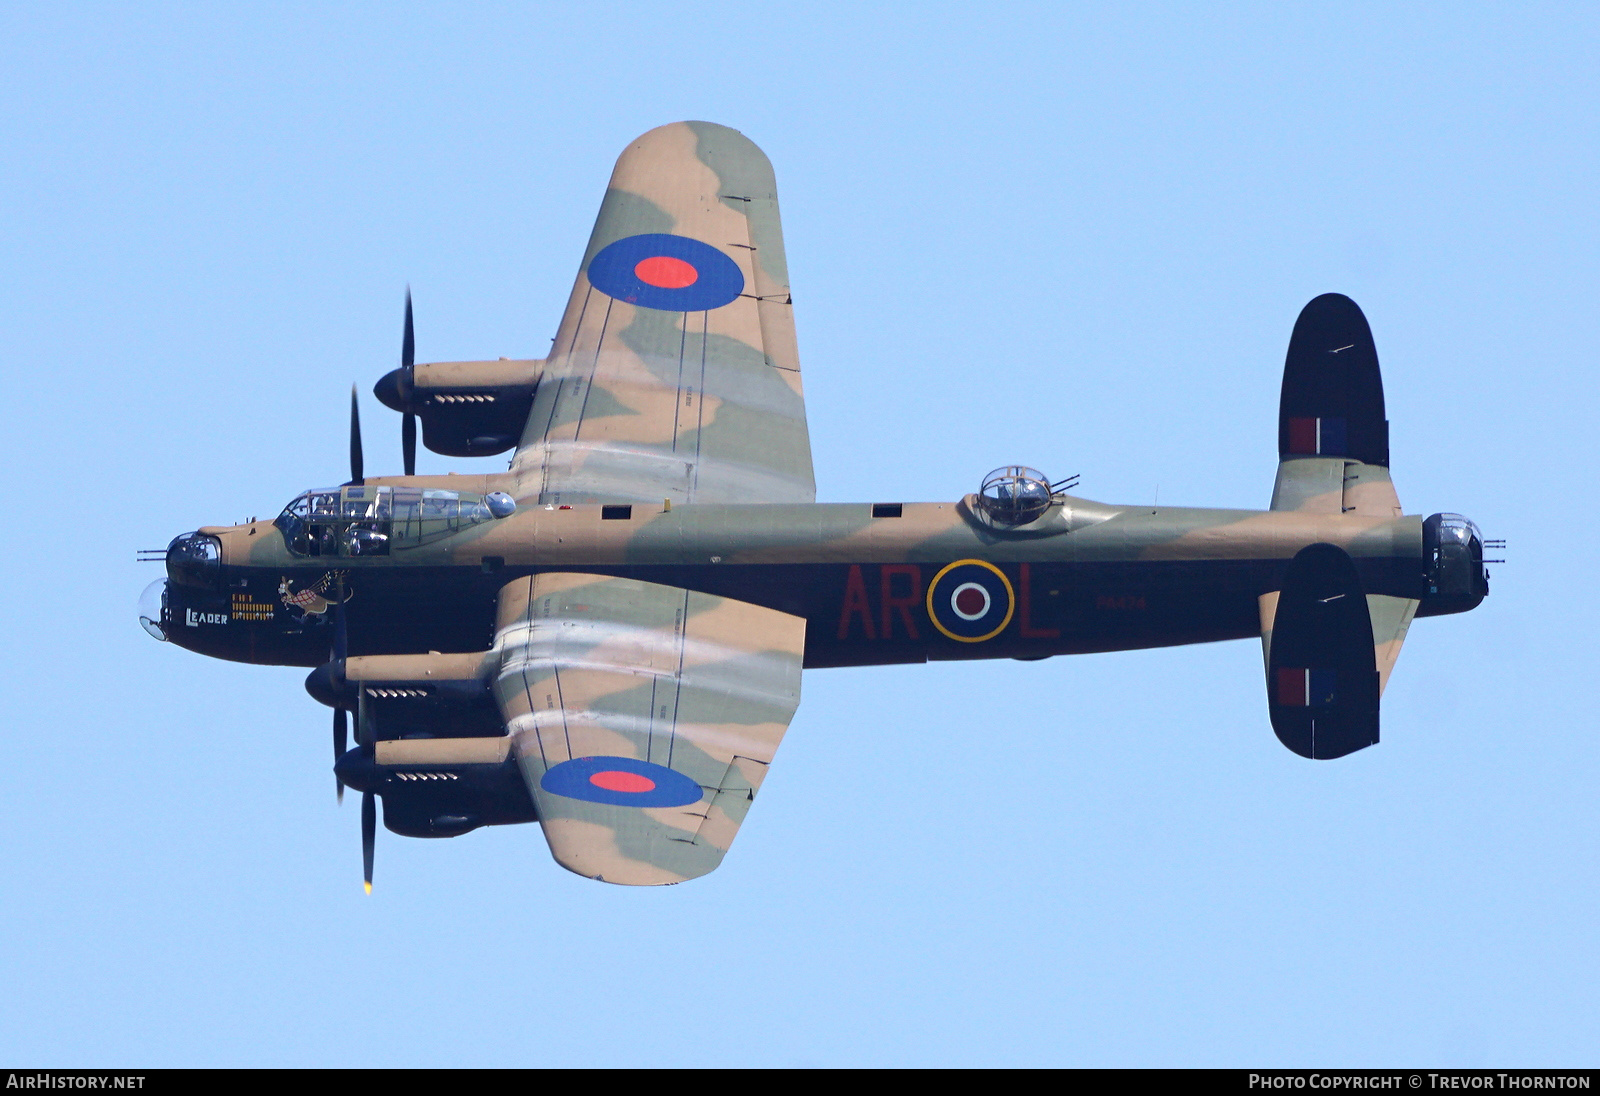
(877, 583)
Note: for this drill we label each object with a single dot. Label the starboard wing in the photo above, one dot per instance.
(675, 374)
(643, 717)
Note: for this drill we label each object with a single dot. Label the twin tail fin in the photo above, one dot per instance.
(1329, 645)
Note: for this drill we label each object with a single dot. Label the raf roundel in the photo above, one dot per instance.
(970, 601)
(666, 272)
(621, 782)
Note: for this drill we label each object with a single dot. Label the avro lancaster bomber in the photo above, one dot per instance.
(607, 638)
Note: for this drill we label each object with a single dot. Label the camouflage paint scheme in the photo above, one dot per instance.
(614, 667)
(639, 404)
(666, 573)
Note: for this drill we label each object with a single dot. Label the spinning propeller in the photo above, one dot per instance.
(397, 389)
(341, 639)
(356, 468)
(408, 424)
(341, 735)
(369, 836)
(341, 727)
(340, 636)
(341, 642)
(369, 813)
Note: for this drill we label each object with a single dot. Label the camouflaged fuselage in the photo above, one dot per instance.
(1084, 577)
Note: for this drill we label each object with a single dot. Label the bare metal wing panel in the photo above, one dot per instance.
(643, 717)
(675, 374)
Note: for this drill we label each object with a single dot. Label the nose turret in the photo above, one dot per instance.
(194, 562)
(195, 559)
(193, 586)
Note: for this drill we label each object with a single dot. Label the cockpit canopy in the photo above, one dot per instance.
(375, 521)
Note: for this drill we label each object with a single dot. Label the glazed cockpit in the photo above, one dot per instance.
(379, 520)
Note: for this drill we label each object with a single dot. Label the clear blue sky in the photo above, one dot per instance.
(1072, 236)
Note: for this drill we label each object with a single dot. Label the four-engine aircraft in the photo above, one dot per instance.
(607, 639)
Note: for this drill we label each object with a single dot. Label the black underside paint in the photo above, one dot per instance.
(1331, 403)
(1322, 676)
(857, 614)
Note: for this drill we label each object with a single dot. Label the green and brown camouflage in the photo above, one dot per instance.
(608, 637)
(592, 666)
(641, 404)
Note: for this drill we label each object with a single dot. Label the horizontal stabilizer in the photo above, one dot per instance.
(1322, 673)
(1332, 399)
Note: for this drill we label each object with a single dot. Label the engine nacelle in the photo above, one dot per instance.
(468, 409)
(441, 787)
(430, 741)
(411, 696)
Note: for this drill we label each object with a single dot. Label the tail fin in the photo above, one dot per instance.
(1332, 399)
(1330, 646)
(1333, 437)
(1322, 673)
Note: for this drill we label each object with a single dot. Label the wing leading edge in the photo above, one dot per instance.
(643, 717)
(675, 373)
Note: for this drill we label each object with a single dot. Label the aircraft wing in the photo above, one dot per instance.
(674, 374)
(643, 717)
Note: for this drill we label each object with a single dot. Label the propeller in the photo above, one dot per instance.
(369, 806)
(369, 809)
(341, 725)
(356, 478)
(408, 424)
(341, 736)
(369, 836)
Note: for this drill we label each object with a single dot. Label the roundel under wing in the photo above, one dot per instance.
(666, 272)
(621, 782)
(970, 601)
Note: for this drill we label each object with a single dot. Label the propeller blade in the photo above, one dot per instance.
(408, 425)
(369, 836)
(408, 344)
(341, 725)
(355, 439)
(341, 742)
(341, 638)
